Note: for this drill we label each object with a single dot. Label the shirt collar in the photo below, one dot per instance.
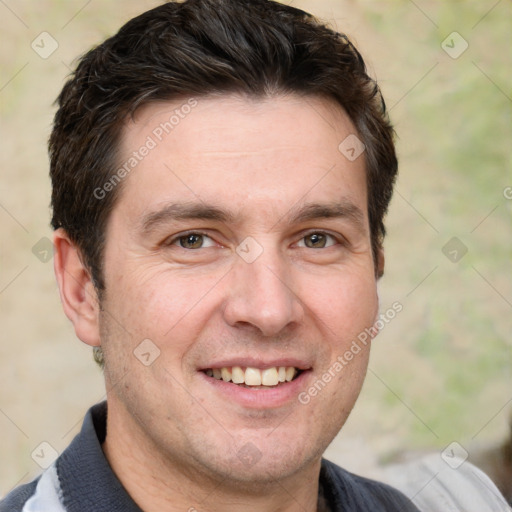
(86, 478)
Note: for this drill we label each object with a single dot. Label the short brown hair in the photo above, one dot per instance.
(198, 48)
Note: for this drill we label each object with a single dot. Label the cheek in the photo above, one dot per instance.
(345, 303)
(163, 305)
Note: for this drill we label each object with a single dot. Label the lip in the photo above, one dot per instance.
(271, 398)
(262, 364)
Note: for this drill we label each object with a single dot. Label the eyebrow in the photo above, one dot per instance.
(183, 211)
(200, 211)
(343, 209)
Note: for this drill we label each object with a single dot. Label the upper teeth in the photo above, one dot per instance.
(254, 376)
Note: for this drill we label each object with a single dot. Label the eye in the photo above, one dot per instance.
(194, 241)
(317, 241)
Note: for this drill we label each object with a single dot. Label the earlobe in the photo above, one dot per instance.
(77, 292)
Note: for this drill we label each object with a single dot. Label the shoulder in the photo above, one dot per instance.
(353, 492)
(16, 499)
(44, 493)
(436, 485)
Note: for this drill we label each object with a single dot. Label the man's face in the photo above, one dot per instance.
(241, 240)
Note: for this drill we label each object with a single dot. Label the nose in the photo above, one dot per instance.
(262, 297)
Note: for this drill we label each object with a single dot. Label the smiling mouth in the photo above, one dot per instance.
(256, 378)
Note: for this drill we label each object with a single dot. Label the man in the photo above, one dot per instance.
(221, 170)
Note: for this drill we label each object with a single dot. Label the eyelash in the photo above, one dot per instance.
(174, 240)
(334, 238)
(337, 239)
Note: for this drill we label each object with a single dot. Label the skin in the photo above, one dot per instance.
(174, 439)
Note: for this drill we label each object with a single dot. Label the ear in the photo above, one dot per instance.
(77, 293)
(380, 262)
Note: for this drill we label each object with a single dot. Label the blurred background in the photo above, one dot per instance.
(441, 370)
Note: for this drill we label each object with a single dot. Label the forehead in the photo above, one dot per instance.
(240, 152)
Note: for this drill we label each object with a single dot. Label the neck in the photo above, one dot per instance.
(157, 483)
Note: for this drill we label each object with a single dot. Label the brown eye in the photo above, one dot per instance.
(192, 241)
(317, 241)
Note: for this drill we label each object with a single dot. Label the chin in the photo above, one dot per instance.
(255, 462)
